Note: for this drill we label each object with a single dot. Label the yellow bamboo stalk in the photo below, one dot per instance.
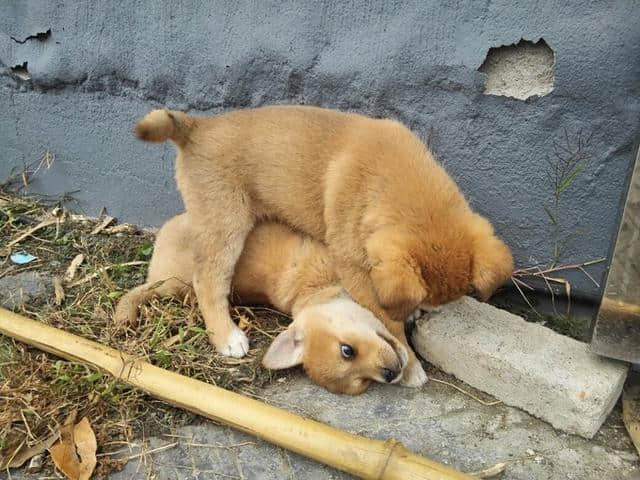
(361, 456)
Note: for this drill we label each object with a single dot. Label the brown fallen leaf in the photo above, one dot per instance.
(75, 454)
(73, 266)
(18, 457)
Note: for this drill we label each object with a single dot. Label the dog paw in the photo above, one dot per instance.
(125, 315)
(236, 345)
(415, 315)
(420, 312)
(414, 376)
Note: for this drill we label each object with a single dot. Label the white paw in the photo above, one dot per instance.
(421, 311)
(237, 344)
(414, 376)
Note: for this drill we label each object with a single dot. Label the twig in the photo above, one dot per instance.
(219, 445)
(526, 299)
(102, 270)
(588, 275)
(537, 271)
(524, 284)
(45, 223)
(102, 225)
(486, 404)
(489, 472)
(545, 274)
(155, 450)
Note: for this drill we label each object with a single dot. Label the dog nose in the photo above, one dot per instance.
(389, 375)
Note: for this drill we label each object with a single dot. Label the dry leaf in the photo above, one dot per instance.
(81, 218)
(243, 323)
(122, 228)
(104, 224)
(73, 266)
(18, 458)
(75, 453)
(58, 290)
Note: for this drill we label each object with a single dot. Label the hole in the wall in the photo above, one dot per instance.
(21, 71)
(520, 71)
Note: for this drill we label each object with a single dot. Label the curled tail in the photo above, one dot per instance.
(162, 125)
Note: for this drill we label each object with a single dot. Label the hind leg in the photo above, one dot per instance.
(217, 249)
(127, 310)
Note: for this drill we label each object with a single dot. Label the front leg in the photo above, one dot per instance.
(413, 374)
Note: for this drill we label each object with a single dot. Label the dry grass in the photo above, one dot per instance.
(38, 390)
(550, 276)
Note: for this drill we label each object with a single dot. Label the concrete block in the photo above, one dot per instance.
(526, 365)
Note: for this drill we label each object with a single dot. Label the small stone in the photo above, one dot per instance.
(530, 452)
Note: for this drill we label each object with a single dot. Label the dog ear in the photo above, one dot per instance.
(286, 350)
(492, 260)
(395, 275)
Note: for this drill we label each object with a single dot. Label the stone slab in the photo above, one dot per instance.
(524, 364)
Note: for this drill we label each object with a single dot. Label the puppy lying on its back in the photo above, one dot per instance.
(341, 346)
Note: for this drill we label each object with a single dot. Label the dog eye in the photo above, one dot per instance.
(347, 351)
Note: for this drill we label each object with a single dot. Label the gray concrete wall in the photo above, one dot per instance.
(104, 64)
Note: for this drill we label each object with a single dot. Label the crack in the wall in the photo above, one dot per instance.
(237, 91)
(40, 36)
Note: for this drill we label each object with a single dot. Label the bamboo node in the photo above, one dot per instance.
(390, 446)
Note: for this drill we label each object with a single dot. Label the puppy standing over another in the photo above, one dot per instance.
(341, 346)
(399, 230)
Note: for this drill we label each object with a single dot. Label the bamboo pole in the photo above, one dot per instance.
(361, 456)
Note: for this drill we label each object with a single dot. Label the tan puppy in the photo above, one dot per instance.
(399, 230)
(341, 346)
